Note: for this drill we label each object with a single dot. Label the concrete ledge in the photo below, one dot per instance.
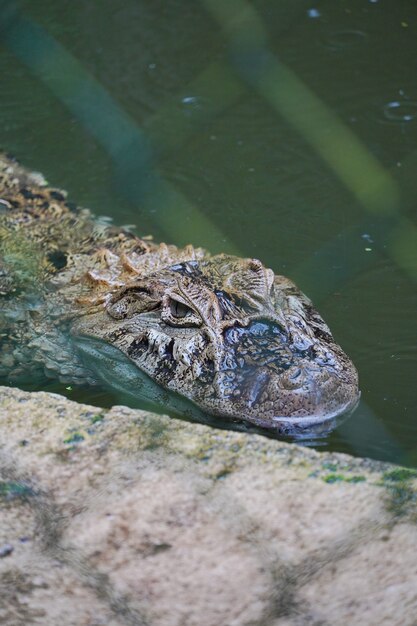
(114, 517)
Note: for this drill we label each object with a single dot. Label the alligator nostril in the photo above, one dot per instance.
(293, 378)
(295, 374)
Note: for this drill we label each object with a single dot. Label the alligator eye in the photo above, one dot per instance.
(176, 313)
(179, 310)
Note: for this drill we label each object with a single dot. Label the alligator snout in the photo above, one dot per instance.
(276, 380)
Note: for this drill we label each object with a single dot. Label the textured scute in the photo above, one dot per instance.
(222, 331)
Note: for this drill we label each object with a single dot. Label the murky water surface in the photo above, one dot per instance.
(284, 130)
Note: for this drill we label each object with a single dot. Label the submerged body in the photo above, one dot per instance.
(88, 303)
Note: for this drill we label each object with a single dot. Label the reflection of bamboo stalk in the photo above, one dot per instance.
(292, 99)
(344, 153)
(102, 117)
(403, 246)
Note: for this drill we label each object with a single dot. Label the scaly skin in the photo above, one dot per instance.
(87, 303)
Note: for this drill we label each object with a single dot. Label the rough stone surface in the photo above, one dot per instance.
(114, 517)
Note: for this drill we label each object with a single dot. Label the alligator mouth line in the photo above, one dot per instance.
(312, 420)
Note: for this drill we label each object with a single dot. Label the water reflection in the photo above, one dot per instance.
(214, 157)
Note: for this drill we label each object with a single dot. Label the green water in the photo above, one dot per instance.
(279, 129)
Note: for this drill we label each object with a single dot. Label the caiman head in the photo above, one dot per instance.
(226, 334)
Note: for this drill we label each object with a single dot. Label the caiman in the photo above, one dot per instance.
(87, 303)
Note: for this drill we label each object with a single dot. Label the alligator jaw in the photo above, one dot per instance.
(117, 371)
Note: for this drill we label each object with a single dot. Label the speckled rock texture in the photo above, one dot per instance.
(120, 517)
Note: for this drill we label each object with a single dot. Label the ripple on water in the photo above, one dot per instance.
(397, 112)
(343, 39)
